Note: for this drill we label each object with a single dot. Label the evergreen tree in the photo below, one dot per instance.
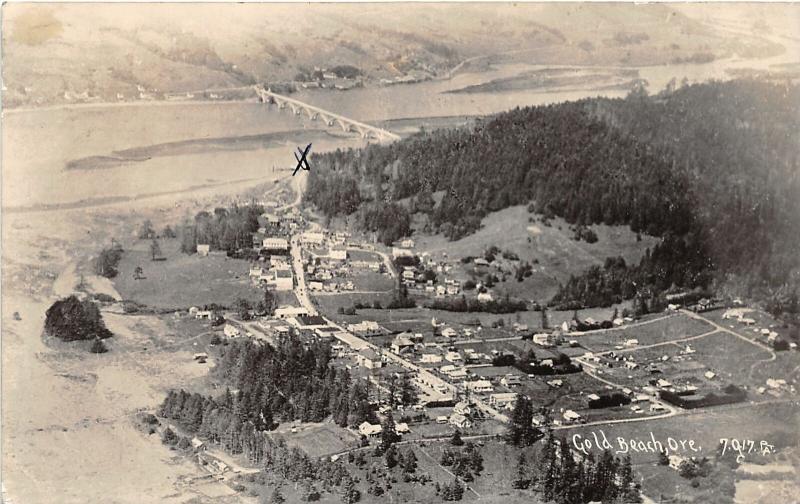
(455, 439)
(521, 481)
(520, 430)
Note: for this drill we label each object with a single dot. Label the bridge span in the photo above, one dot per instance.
(331, 119)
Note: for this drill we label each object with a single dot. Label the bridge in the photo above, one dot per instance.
(329, 118)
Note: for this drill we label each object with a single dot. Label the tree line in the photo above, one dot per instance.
(712, 166)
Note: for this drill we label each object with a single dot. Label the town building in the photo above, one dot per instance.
(369, 358)
(366, 328)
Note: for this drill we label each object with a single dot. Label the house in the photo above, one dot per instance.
(369, 358)
(452, 290)
(480, 386)
(449, 332)
(462, 408)
(401, 428)
(441, 290)
(454, 357)
(593, 397)
(274, 243)
(546, 339)
(546, 362)
(198, 444)
(231, 331)
(312, 238)
(571, 416)
(485, 297)
(338, 254)
(641, 398)
(256, 270)
(510, 381)
(663, 383)
(656, 407)
(710, 375)
(503, 400)
(631, 365)
(431, 358)
(315, 286)
(408, 274)
(370, 430)
(366, 328)
(401, 252)
(480, 261)
(204, 314)
(401, 343)
(203, 249)
(555, 383)
(441, 419)
(460, 421)
(200, 356)
(675, 461)
(631, 342)
(282, 279)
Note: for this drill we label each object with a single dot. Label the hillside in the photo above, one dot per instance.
(711, 168)
(128, 52)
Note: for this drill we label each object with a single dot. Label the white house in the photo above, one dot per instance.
(369, 359)
(431, 358)
(312, 238)
(401, 343)
(275, 243)
(484, 297)
(286, 312)
(460, 421)
(462, 408)
(203, 249)
(449, 332)
(510, 381)
(454, 357)
(231, 331)
(480, 386)
(503, 400)
(571, 416)
(366, 328)
(315, 286)
(370, 430)
(401, 252)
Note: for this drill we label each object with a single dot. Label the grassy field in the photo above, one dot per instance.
(317, 439)
(558, 255)
(674, 327)
(182, 280)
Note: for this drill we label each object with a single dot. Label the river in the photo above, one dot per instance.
(236, 141)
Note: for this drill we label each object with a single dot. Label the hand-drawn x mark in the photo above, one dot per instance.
(302, 162)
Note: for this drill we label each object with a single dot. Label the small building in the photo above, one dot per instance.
(197, 444)
(454, 357)
(710, 375)
(288, 312)
(545, 339)
(312, 238)
(462, 408)
(510, 381)
(571, 416)
(480, 261)
(401, 252)
(480, 386)
(460, 421)
(401, 428)
(200, 356)
(204, 314)
(366, 328)
(593, 397)
(503, 400)
(370, 430)
(631, 343)
(449, 332)
(555, 383)
(203, 249)
(369, 358)
(315, 286)
(484, 297)
(274, 243)
(231, 331)
(401, 343)
(431, 358)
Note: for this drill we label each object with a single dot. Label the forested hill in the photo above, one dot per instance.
(711, 167)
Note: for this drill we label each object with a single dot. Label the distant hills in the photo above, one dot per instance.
(69, 53)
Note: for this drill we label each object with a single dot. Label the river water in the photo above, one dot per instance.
(39, 144)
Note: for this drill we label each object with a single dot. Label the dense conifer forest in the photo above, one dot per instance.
(711, 168)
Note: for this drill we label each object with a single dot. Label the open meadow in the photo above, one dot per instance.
(181, 281)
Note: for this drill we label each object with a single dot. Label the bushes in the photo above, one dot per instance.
(609, 401)
(70, 319)
(106, 263)
(730, 394)
(98, 347)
